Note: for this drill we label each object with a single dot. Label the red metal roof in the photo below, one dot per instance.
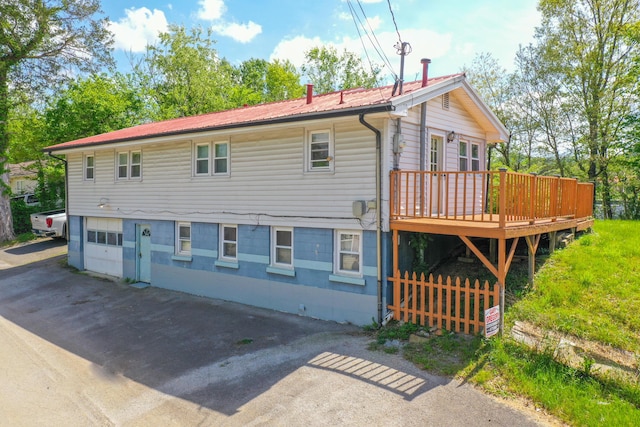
(354, 100)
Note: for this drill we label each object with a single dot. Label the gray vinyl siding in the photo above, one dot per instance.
(267, 183)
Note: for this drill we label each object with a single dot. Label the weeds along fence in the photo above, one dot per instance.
(453, 305)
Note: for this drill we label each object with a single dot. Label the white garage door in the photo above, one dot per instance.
(103, 246)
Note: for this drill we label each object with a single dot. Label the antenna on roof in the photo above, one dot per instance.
(403, 49)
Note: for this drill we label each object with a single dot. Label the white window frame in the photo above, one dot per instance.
(180, 239)
(472, 159)
(309, 149)
(86, 168)
(338, 251)
(215, 158)
(475, 157)
(197, 159)
(223, 241)
(275, 247)
(212, 158)
(128, 165)
(463, 155)
(133, 164)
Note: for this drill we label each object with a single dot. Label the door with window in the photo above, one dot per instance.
(143, 268)
(437, 187)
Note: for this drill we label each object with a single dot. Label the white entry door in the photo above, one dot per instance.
(143, 244)
(438, 181)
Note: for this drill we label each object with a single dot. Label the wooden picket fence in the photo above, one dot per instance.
(449, 304)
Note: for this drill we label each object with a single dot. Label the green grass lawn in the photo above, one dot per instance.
(591, 290)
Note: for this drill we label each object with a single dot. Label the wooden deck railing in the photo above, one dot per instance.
(488, 196)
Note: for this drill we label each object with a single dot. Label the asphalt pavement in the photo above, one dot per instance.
(78, 350)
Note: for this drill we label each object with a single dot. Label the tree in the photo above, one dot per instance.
(494, 85)
(183, 75)
(41, 41)
(330, 72)
(268, 81)
(588, 44)
(93, 105)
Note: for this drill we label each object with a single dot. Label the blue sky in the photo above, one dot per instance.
(449, 32)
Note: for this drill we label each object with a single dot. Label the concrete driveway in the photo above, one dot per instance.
(79, 350)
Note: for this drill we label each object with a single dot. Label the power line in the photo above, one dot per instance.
(376, 45)
(393, 17)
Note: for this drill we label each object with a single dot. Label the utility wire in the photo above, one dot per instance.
(393, 17)
(375, 45)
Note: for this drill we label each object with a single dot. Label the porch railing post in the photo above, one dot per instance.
(502, 208)
(534, 198)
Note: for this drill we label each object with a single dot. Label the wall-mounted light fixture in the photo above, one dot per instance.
(451, 136)
(103, 202)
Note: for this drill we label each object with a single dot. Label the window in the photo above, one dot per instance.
(464, 159)
(215, 154)
(469, 150)
(136, 164)
(348, 252)
(319, 151)
(229, 242)
(282, 247)
(129, 165)
(183, 238)
(102, 237)
(475, 157)
(221, 158)
(202, 159)
(89, 168)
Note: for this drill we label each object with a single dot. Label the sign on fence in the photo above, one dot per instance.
(491, 321)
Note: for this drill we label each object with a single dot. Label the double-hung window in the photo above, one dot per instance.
(348, 252)
(89, 167)
(221, 158)
(319, 151)
(183, 238)
(129, 165)
(211, 159)
(282, 247)
(202, 159)
(229, 242)
(469, 156)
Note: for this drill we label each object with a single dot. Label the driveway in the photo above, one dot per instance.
(80, 350)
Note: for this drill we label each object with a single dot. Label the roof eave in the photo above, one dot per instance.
(369, 109)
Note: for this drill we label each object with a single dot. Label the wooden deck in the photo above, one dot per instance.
(498, 205)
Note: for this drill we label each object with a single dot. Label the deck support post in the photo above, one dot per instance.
(532, 245)
(502, 274)
(552, 241)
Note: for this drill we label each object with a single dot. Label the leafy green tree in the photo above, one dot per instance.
(41, 41)
(495, 87)
(588, 44)
(269, 81)
(93, 105)
(330, 71)
(183, 75)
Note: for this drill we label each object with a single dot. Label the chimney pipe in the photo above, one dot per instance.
(309, 93)
(425, 70)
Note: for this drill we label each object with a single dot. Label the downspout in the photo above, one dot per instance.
(378, 209)
(66, 192)
(423, 131)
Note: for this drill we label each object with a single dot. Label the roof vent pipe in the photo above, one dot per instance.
(309, 93)
(425, 70)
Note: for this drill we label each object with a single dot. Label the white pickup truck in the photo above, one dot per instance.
(50, 223)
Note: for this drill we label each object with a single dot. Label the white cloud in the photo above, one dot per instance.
(139, 28)
(242, 33)
(214, 10)
(424, 43)
(293, 49)
(211, 10)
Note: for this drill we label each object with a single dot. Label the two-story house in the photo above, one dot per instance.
(283, 205)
